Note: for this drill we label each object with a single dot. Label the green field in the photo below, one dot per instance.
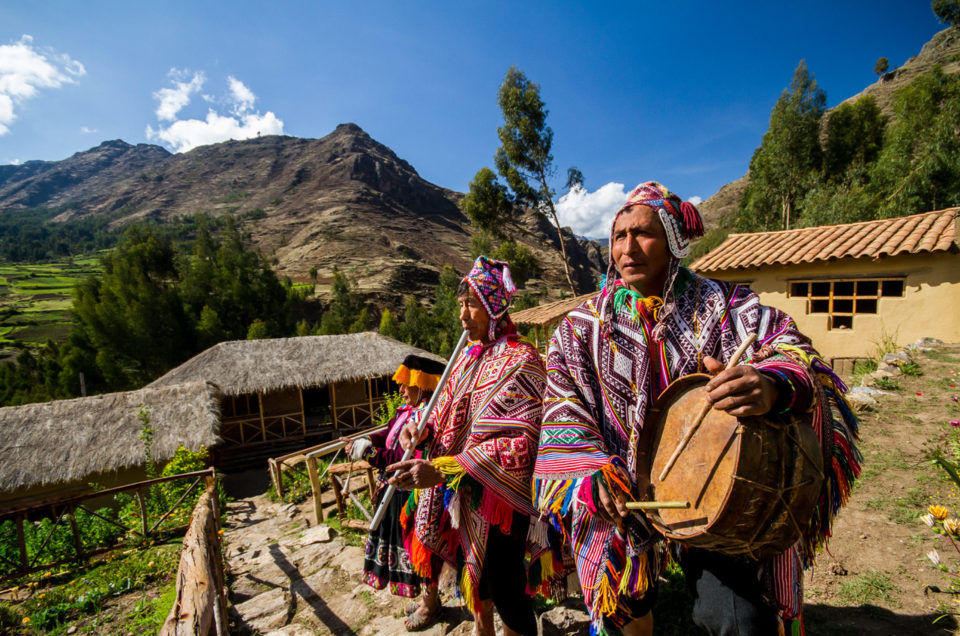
(35, 300)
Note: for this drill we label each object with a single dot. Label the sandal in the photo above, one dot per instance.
(411, 608)
(418, 622)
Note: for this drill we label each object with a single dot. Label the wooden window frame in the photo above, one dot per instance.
(832, 297)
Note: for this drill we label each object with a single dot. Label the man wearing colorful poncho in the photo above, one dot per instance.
(653, 322)
(473, 507)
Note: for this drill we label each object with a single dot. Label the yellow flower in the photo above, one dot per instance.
(939, 512)
(951, 525)
(41, 595)
(150, 565)
(25, 620)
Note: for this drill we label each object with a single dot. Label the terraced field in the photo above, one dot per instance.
(35, 300)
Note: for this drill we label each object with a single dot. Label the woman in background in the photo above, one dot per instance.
(386, 558)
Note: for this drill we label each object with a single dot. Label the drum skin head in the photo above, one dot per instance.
(703, 472)
(752, 483)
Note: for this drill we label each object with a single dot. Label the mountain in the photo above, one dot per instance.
(344, 200)
(942, 49)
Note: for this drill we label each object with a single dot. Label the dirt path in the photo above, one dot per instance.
(872, 580)
(293, 579)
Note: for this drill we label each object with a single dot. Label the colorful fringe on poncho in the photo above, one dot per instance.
(606, 365)
(485, 435)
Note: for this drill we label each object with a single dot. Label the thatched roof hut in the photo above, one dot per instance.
(259, 366)
(543, 317)
(70, 440)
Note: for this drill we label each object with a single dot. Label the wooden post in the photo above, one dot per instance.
(21, 539)
(303, 412)
(338, 495)
(275, 476)
(333, 404)
(143, 512)
(370, 399)
(77, 545)
(370, 481)
(263, 425)
(315, 489)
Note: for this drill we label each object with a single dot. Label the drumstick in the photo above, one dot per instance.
(655, 505)
(734, 360)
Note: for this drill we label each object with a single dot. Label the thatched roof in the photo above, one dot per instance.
(549, 313)
(254, 366)
(68, 440)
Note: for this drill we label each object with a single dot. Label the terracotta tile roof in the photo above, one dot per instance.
(928, 232)
(551, 312)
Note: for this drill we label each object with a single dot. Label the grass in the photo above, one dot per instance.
(887, 384)
(51, 601)
(35, 299)
(869, 587)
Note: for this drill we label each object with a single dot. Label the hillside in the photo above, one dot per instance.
(943, 49)
(343, 200)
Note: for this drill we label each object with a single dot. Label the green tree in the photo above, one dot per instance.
(882, 66)
(388, 325)
(132, 317)
(919, 166)
(788, 161)
(524, 157)
(523, 263)
(487, 202)
(854, 135)
(237, 284)
(947, 11)
(257, 330)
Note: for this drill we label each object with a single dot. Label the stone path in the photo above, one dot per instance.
(288, 578)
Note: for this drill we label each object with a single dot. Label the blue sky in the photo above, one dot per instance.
(678, 92)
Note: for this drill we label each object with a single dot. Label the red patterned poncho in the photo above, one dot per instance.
(605, 367)
(485, 432)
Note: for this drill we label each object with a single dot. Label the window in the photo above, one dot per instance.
(841, 300)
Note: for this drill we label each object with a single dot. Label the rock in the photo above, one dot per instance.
(318, 534)
(72, 629)
(887, 367)
(898, 358)
(563, 620)
(866, 390)
(838, 569)
(861, 401)
(925, 344)
(350, 560)
(292, 629)
(311, 558)
(265, 612)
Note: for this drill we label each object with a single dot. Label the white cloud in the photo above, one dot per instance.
(87, 131)
(590, 213)
(243, 96)
(25, 68)
(14, 162)
(172, 100)
(182, 135)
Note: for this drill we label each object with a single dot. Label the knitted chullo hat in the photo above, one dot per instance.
(490, 280)
(681, 220)
(420, 372)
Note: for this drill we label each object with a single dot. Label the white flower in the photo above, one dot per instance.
(928, 519)
(934, 556)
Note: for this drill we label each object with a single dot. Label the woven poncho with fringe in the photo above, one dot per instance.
(606, 363)
(485, 432)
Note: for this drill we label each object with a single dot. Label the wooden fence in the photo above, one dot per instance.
(63, 510)
(200, 607)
